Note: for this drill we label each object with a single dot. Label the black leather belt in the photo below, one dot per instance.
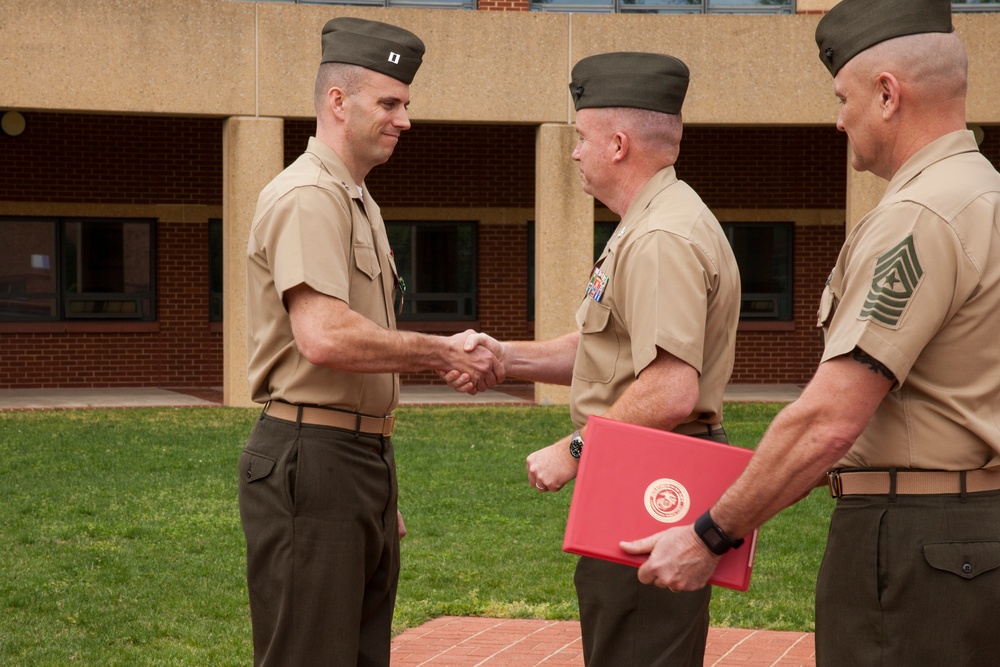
(349, 421)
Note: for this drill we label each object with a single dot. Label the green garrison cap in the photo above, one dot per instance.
(638, 80)
(856, 25)
(381, 47)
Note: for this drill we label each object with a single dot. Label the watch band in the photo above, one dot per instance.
(714, 537)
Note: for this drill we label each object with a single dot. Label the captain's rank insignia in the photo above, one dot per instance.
(897, 273)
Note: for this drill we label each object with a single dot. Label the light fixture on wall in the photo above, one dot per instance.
(12, 123)
(977, 132)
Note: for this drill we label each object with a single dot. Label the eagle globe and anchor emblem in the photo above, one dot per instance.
(667, 500)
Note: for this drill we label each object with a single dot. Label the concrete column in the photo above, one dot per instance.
(564, 241)
(253, 154)
(864, 192)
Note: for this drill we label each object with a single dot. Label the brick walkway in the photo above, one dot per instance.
(496, 642)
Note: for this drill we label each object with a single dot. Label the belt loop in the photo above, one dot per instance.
(964, 491)
(892, 485)
(357, 423)
(264, 411)
(298, 418)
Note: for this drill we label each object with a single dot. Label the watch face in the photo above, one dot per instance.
(576, 447)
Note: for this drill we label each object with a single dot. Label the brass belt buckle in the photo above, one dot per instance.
(387, 425)
(833, 479)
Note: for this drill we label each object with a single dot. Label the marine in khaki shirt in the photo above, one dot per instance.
(317, 476)
(293, 242)
(667, 280)
(916, 287)
(656, 336)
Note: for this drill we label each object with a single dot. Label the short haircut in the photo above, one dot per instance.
(347, 77)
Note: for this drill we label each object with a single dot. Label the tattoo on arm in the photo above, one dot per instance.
(874, 364)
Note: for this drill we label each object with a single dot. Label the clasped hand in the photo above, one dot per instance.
(482, 364)
(476, 365)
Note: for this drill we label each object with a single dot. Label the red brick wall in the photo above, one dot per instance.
(145, 160)
(107, 159)
(113, 160)
(184, 352)
(767, 357)
(765, 167)
(448, 165)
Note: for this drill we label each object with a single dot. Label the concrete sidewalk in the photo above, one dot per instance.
(126, 397)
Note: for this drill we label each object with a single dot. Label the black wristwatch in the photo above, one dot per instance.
(714, 537)
(575, 445)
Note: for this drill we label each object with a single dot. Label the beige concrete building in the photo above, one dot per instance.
(107, 92)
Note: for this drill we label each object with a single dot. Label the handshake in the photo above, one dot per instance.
(476, 362)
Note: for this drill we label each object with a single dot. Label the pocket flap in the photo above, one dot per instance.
(966, 559)
(592, 317)
(254, 466)
(366, 260)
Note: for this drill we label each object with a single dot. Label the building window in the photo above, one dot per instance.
(215, 270)
(76, 269)
(437, 263)
(667, 6)
(976, 6)
(764, 254)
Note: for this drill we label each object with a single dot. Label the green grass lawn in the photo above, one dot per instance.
(120, 541)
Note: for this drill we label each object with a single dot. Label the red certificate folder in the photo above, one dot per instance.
(634, 481)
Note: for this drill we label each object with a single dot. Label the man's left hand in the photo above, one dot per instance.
(549, 469)
(678, 559)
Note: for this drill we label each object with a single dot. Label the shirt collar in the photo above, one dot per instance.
(335, 167)
(953, 143)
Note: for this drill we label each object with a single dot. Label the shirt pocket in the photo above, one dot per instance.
(366, 261)
(597, 354)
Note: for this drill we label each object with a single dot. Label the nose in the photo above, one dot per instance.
(402, 119)
(576, 153)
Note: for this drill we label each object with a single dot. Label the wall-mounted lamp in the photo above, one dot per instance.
(12, 123)
(977, 132)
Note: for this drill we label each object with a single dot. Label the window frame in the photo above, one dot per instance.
(216, 270)
(70, 306)
(783, 308)
(621, 7)
(991, 6)
(404, 312)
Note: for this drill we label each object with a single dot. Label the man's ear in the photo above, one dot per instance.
(621, 146)
(888, 89)
(336, 100)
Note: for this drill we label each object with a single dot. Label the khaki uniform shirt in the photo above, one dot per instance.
(313, 226)
(917, 286)
(667, 279)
